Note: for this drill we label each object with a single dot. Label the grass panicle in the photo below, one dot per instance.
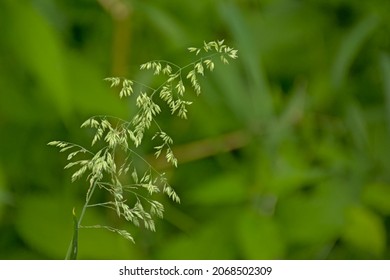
(112, 163)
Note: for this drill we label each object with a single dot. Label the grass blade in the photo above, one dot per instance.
(73, 247)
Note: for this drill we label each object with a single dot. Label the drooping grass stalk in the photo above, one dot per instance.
(133, 201)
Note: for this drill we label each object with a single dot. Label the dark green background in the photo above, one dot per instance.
(285, 155)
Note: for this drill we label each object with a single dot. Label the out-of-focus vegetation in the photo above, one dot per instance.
(285, 155)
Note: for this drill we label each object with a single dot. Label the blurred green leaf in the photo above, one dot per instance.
(101, 244)
(364, 231)
(92, 95)
(222, 189)
(5, 196)
(314, 217)
(257, 99)
(287, 170)
(385, 63)
(211, 241)
(377, 196)
(259, 237)
(44, 56)
(350, 47)
(165, 23)
(356, 123)
(45, 224)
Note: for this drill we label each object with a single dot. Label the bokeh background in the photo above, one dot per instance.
(285, 155)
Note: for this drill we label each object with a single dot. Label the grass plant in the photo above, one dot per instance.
(113, 164)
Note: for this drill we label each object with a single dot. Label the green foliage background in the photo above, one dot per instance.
(285, 155)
